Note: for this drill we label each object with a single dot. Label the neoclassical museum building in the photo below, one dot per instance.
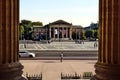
(58, 30)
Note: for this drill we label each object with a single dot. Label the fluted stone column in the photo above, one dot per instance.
(54, 33)
(58, 33)
(62, 33)
(50, 32)
(66, 32)
(70, 32)
(76, 34)
(10, 68)
(108, 65)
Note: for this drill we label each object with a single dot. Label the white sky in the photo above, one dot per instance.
(77, 12)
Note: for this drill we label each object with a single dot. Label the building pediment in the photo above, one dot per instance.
(60, 22)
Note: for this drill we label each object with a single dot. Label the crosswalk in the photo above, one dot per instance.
(59, 46)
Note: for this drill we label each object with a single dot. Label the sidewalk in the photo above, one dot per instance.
(51, 69)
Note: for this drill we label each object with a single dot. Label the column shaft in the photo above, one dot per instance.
(50, 32)
(58, 33)
(9, 41)
(1, 33)
(54, 33)
(9, 31)
(62, 33)
(66, 32)
(108, 65)
(109, 32)
(70, 32)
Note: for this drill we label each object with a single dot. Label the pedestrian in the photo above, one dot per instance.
(95, 45)
(48, 42)
(83, 41)
(61, 57)
(24, 45)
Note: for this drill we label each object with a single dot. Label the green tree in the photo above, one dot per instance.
(26, 23)
(96, 34)
(89, 33)
(28, 29)
(37, 23)
(21, 31)
(82, 36)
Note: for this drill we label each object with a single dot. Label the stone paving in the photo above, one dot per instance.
(59, 46)
(51, 69)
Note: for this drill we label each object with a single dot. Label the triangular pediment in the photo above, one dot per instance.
(59, 22)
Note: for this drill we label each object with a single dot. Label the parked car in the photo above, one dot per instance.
(92, 39)
(26, 54)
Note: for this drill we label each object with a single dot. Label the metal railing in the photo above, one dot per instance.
(34, 76)
(75, 76)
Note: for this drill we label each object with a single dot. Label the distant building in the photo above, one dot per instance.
(39, 31)
(92, 26)
(58, 30)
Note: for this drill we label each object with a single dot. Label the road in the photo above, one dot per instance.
(68, 55)
(70, 50)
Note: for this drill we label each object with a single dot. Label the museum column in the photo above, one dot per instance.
(58, 33)
(50, 32)
(10, 67)
(70, 32)
(108, 64)
(54, 33)
(66, 32)
(62, 33)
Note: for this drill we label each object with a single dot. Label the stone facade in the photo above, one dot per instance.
(59, 30)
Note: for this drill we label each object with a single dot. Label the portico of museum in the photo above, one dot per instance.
(58, 30)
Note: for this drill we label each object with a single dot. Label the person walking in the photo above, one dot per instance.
(95, 44)
(24, 45)
(61, 57)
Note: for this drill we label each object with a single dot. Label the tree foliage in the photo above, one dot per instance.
(37, 23)
(21, 31)
(89, 33)
(83, 35)
(96, 34)
(26, 28)
(26, 23)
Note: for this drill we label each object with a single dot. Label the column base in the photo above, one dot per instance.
(106, 72)
(11, 71)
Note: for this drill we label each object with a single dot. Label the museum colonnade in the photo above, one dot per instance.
(60, 33)
(108, 64)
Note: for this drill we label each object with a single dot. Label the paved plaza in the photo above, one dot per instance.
(59, 46)
(51, 69)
